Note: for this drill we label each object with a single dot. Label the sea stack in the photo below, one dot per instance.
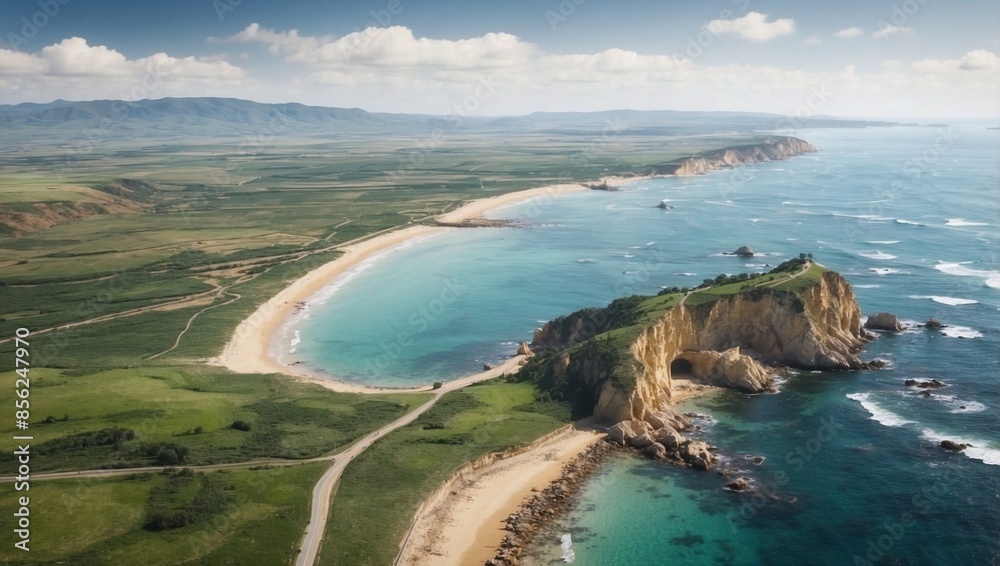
(743, 251)
(884, 321)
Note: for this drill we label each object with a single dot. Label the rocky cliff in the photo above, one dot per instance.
(771, 149)
(626, 354)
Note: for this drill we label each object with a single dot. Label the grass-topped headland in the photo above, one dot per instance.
(596, 357)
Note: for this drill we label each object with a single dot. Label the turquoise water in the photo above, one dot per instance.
(910, 216)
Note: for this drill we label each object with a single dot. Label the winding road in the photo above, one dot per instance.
(323, 491)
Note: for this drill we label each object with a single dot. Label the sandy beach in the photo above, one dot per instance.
(247, 350)
(464, 524)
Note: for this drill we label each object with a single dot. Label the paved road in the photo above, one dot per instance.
(323, 490)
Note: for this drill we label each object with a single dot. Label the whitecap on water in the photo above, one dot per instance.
(963, 222)
(946, 300)
(585, 260)
(992, 278)
(979, 450)
(877, 254)
(882, 242)
(902, 221)
(882, 270)
(878, 413)
(958, 405)
(953, 331)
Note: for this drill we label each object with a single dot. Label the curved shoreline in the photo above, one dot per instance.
(247, 351)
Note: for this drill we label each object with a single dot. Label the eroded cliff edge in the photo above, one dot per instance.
(772, 148)
(625, 356)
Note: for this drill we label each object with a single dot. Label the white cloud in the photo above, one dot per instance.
(891, 30)
(393, 46)
(389, 69)
(849, 32)
(74, 69)
(753, 27)
(935, 65)
(813, 41)
(978, 59)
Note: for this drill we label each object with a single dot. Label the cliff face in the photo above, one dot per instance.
(720, 343)
(773, 149)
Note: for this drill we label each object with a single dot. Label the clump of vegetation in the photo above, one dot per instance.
(172, 505)
(241, 425)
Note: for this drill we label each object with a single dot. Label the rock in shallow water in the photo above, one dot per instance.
(884, 321)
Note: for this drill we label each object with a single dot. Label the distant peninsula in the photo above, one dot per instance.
(773, 148)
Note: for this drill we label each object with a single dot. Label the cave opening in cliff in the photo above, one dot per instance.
(680, 367)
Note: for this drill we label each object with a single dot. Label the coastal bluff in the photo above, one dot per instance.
(773, 148)
(625, 357)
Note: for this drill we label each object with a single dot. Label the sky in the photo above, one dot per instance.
(889, 59)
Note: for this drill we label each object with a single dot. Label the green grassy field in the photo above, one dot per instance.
(381, 489)
(192, 407)
(259, 519)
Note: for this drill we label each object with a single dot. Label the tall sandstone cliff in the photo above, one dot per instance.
(773, 149)
(725, 342)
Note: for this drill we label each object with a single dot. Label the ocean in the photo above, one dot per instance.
(853, 471)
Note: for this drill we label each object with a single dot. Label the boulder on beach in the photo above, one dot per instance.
(884, 321)
(487, 367)
(668, 437)
(625, 431)
(641, 442)
(656, 451)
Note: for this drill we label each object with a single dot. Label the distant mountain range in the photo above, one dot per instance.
(219, 117)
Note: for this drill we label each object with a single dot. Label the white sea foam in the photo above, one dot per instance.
(980, 449)
(568, 555)
(956, 405)
(961, 332)
(992, 278)
(883, 242)
(878, 413)
(902, 221)
(686, 274)
(585, 260)
(863, 216)
(727, 203)
(963, 222)
(877, 254)
(946, 300)
(882, 270)
(628, 255)
(650, 243)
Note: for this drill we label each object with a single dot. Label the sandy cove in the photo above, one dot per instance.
(464, 523)
(247, 350)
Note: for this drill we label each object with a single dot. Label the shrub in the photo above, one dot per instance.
(240, 425)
